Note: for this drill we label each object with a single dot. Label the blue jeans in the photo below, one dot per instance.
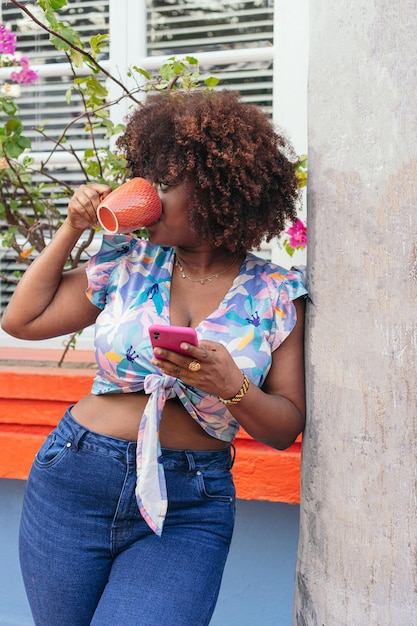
(88, 557)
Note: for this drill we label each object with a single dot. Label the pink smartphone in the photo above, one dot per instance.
(170, 337)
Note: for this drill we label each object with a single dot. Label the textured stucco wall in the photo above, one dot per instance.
(358, 541)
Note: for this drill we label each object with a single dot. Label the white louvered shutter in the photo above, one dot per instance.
(230, 29)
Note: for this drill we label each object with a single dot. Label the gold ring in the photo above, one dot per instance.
(194, 366)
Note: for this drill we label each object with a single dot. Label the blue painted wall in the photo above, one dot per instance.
(257, 586)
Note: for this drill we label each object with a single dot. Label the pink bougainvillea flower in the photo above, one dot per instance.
(297, 234)
(7, 40)
(26, 75)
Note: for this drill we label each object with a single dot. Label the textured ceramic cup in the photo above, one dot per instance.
(131, 206)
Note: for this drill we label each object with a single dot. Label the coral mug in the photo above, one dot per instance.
(131, 206)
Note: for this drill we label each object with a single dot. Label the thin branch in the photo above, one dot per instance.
(21, 183)
(25, 227)
(85, 54)
(83, 246)
(88, 115)
(47, 174)
(76, 119)
(6, 278)
(69, 343)
(69, 150)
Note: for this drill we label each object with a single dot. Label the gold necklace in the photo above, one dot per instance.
(209, 279)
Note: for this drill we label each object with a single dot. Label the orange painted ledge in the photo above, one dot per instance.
(33, 398)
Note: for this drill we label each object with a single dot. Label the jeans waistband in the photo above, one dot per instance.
(84, 438)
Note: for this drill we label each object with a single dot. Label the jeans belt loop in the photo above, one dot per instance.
(190, 458)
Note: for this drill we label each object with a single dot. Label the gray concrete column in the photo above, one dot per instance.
(357, 558)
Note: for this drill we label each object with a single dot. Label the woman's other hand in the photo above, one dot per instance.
(217, 373)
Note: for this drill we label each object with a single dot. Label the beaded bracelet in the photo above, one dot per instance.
(242, 391)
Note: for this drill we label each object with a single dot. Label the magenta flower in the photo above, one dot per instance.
(297, 235)
(7, 40)
(26, 75)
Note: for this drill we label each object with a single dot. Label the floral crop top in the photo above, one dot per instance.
(130, 279)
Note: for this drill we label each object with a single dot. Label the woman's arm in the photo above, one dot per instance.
(275, 414)
(49, 302)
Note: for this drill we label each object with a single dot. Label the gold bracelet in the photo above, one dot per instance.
(242, 391)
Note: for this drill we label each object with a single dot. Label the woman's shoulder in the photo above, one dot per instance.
(265, 270)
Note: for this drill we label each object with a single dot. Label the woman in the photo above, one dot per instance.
(157, 423)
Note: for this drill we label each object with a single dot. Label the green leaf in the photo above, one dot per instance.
(97, 42)
(70, 34)
(118, 128)
(68, 95)
(93, 169)
(287, 247)
(9, 237)
(51, 19)
(39, 206)
(24, 142)
(301, 178)
(141, 71)
(166, 72)
(8, 106)
(26, 178)
(191, 60)
(57, 4)
(95, 87)
(58, 43)
(112, 129)
(12, 125)
(211, 81)
(102, 114)
(186, 83)
(303, 161)
(12, 149)
(77, 58)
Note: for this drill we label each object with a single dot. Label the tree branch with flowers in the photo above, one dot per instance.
(30, 192)
(28, 211)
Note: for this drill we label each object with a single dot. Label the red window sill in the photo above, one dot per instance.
(34, 393)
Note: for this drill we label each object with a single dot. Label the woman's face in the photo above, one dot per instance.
(173, 227)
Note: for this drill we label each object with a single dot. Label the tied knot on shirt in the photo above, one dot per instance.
(156, 381)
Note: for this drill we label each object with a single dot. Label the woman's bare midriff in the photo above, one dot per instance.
(119, 415)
